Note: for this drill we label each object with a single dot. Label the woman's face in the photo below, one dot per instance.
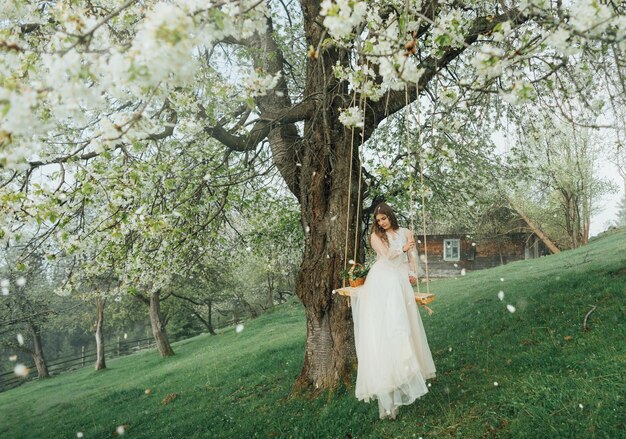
(383, 221)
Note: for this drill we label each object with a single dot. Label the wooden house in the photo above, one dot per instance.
(449, 254)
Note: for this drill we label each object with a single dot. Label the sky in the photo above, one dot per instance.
(607, 206)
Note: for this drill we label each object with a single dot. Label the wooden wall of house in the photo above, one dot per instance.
(485, 254)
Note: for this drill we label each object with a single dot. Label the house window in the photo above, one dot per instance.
(451, 249)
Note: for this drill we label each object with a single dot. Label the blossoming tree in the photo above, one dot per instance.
(125, 125)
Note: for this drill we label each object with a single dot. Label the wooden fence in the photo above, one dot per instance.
(9, 380)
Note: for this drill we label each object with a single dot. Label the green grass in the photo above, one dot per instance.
(238, 385)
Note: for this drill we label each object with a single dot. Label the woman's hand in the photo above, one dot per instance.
(413, 280)
(408, 246)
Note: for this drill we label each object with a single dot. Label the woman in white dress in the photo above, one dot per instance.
(394, 359)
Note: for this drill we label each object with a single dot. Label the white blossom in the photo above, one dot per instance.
(450, 28)
(488, 61)
(351, 117)
(341, 16)
(258, 84)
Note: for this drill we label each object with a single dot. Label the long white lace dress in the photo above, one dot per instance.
(394, 359)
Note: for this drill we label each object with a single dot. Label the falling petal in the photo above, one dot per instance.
(470, 203)
(79, 434)
(248, 249)
(456, 265)
(21, 371)
(495, 383)
(501, 279)
(511, 308)
(21, 281)
(120, 430)
(501, 295)
(5, 291)
(20, 339)
(450, 349)
(473, 244)
(148, 391)
(4, 283)
(298, 164)
(125, 336)
(334, 218)
(351, 262)
(580, 406)
(463, 272)
(13, 358)
(239, 328)
(307, 229)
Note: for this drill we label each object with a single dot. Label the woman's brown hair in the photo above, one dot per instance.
(384, 209)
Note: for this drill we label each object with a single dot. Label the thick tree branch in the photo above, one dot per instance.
(395, 100)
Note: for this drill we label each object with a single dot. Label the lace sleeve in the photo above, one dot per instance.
(383, 250)
(412, 255)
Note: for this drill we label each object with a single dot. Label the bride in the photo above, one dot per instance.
(394, 359)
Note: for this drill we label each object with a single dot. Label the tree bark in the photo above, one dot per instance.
(324, 178)
(38, 356)
(100, 362)
(270, 289)
(158, 328)
(209, 321)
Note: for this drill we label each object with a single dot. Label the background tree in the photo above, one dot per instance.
(559, 163)
(26, 308)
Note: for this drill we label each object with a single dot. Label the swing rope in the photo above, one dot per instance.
(362, 107)
(345, 253)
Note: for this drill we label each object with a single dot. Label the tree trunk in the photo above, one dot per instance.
(325, 175)
(586, 216)
(158, 328)
(38, 357)
(270, 289)
(100, 363)
(209, 320)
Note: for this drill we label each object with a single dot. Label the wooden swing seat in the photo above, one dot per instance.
(420, 298)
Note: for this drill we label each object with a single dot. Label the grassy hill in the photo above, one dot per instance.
(532, 373)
